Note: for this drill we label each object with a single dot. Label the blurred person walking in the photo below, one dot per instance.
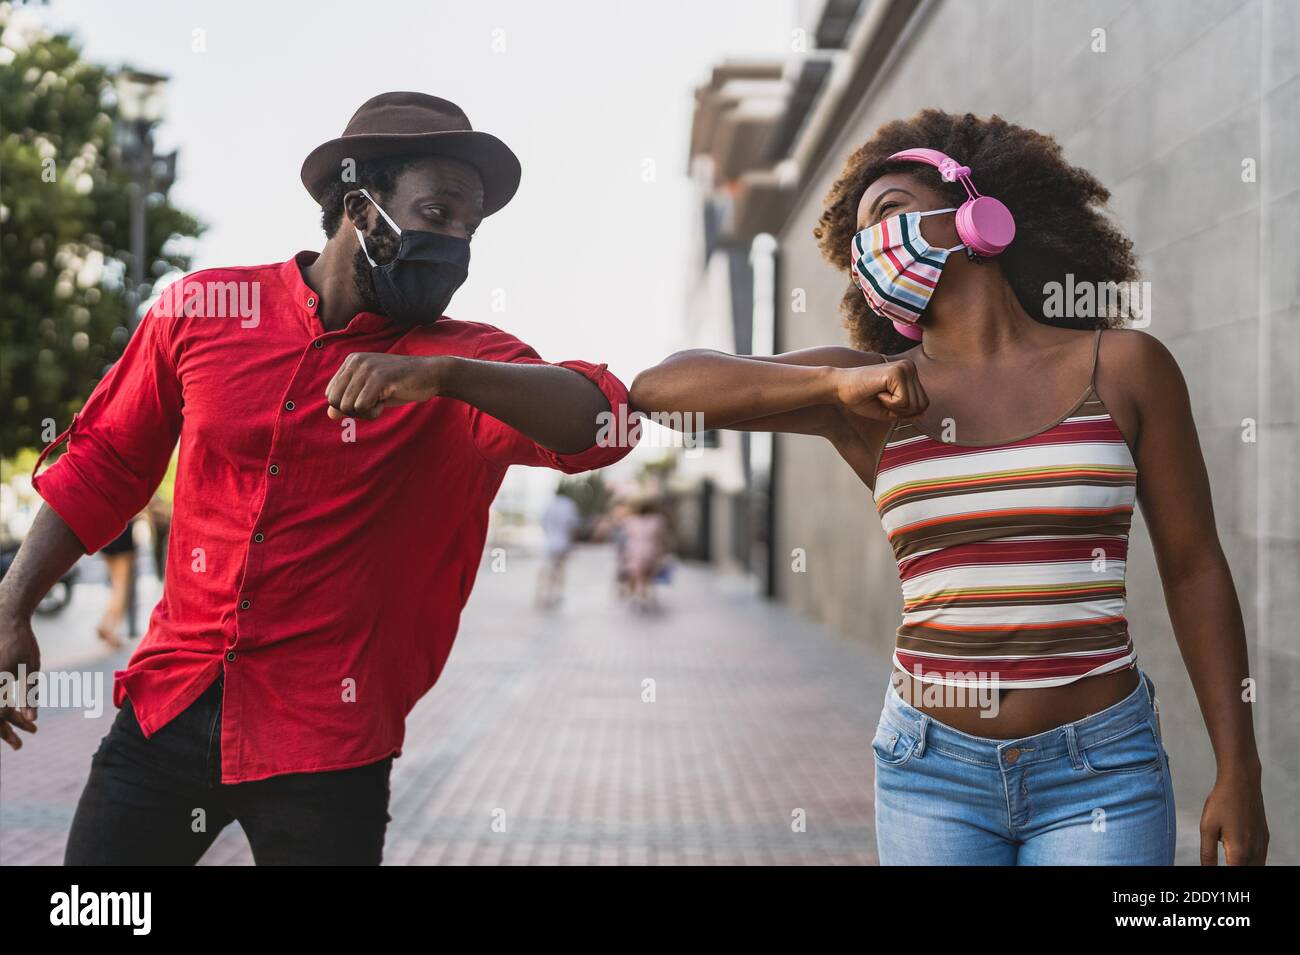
(618, 516)
(159, 514)
(560, 523)
(119, 556)
(645, 539)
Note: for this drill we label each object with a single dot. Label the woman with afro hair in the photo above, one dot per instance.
(1006, 430)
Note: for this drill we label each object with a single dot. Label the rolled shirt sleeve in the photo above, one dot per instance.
(119, 444)
(503, 445)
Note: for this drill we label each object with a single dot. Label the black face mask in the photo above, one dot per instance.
(415, 288)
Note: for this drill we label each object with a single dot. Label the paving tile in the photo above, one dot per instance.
(540, 719)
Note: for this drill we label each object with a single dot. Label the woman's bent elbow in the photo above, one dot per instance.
(645, 393)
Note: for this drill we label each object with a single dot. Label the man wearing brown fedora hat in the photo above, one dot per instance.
(341, 441)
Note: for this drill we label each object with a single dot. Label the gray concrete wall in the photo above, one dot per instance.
(1186, 91)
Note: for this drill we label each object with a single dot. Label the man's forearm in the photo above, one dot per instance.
(47, 552)
(555, 406)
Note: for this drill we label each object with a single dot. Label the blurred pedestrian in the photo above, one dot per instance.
(644, 541)
(617, 517)
(560, 523)
(159, 515)
(119, 558)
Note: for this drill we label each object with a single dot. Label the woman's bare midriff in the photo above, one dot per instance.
(1021, 712)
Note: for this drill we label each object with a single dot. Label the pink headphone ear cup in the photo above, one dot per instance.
(986, 225)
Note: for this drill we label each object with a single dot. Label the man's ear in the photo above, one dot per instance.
(359, 210)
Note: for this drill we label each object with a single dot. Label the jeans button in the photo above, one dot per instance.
(1011, 755)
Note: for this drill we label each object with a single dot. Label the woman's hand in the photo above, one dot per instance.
(1234, 815)
(884, 392)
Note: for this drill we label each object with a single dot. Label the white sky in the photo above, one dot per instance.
(592, 260)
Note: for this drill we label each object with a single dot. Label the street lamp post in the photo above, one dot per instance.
(140, 101)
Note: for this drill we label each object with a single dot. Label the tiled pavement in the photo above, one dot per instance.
(541, 719)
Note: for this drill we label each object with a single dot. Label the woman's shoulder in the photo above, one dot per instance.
(1138, 379)
(1136, 354)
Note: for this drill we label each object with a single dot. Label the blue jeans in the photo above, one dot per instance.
(1093, 792)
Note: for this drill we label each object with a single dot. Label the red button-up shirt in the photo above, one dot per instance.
(321, 564)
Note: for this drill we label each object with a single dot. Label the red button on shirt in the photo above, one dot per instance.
(369, 532)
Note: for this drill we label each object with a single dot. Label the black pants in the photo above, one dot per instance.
(160, 801)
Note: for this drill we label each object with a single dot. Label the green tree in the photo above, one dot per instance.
(64, 234)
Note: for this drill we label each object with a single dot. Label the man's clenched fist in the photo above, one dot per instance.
(368, 382)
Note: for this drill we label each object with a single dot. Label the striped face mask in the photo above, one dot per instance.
(897, 270)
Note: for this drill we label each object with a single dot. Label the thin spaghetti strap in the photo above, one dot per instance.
(880, 453)
(1096, 350)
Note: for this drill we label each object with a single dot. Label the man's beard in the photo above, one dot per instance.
(383, 248)
(363, 280)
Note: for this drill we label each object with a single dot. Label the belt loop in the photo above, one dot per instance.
(1153, 705)
(1072, 744)
(921, 732)
(1149, 688)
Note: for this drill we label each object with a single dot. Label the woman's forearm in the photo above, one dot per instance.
(726, 390)
(1207, 623)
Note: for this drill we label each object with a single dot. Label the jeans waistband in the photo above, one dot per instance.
(1066, 739)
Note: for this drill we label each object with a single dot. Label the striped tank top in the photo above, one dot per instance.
(1011, 555)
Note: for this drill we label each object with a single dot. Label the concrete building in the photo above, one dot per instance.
(1189, 111)
(724, 510)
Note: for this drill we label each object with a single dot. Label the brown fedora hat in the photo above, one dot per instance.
(402, 124)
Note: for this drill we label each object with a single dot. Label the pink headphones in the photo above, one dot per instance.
(984, 224)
